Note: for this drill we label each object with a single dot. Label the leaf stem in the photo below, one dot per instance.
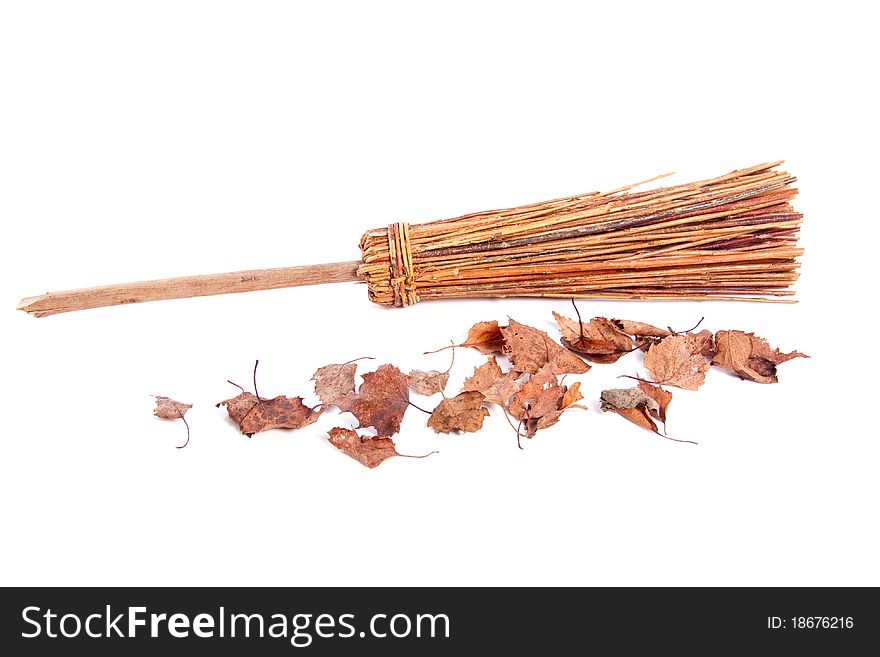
(419, 407)
(187, 430)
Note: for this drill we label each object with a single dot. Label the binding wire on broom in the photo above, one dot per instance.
(730, 237)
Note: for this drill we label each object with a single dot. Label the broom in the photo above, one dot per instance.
(730, 237)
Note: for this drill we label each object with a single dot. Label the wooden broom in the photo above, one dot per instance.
(730, 237)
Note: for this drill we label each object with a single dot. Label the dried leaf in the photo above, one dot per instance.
(496, 386)
(643, 405)
(598, 340)
(633, 404)
(333, 382)
(368, 451)
(428, 383)
(542, 400)
(572, 394)
(464, 412)
(678, 360)
(569, 397)
(255, 414)
(530, 349)
(660, 396)
(538, 396)
(381, 400)
(639, 329)
(749, 356)
(485, 337)
(617, 398)
(168, 409)
(706, 342)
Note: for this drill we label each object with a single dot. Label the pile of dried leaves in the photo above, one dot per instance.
(522, 376)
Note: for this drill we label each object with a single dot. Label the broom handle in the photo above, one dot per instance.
(181, 287)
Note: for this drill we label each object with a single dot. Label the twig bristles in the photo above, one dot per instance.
(730, 237)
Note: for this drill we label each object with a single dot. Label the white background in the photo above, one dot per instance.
(153, 139)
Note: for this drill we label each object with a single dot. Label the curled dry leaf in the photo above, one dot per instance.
(484, 337)
(598, 340)
(541, 401)
(639, 329)
(634, 405)
(497, 386)
(570, 395)
(428, 383)
(660, 396)
(680, 360)
(538, 396)
(381, 400)
(254, 414)
(644, 405)
(706, 343)
(464, 412)
(530, 349)
(169, 409)
(368, 451)
(333, 382)
(749, 356)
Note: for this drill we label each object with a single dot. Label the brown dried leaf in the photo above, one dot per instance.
(538, 396)
(542, 400)
(601, 341)
(485, 337)
(368, 451)
(749, 356)
(706, 341)
(169, 409)
(643, 405)
(660, 396)
(637, 415)
(254, 415)
(617, 398)
(530, 349)
(428, 383)
(464, 412)
(333, 382)
(381, 400)
(678, 360)
(639, 329)
(496, 386)
(572, 394)
(633, 404)
(569, 397)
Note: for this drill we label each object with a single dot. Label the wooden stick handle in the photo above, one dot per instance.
(53, 303)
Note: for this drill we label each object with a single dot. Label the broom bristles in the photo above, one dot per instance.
(730, 237)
